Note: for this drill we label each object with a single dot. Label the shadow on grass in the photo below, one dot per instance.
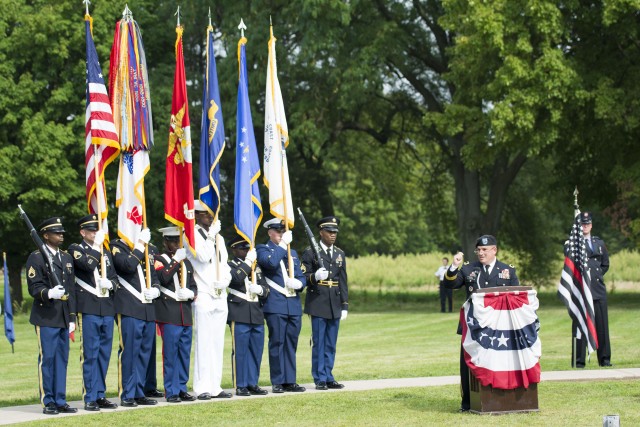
(418, 402)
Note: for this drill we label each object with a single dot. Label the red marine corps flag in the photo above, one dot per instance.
(178, 198)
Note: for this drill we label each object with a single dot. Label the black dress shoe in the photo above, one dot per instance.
(334, 384)
(91, 406)
(204, 396)
(128, 403)
(321, 385)
(186, 396)
(277, 388)
(463, 410)
(174, 399)
(153, 393)
(606, 365)
(254, 389)
(66, 409)
(293, 388)
(105, 404)
(242, 391)
(145, 401)
(223, 395)
(50, 409)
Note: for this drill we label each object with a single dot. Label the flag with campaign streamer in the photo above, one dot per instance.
(247, 207)
(178, 195)
(276, 140)
(101, 138)
(9, 332)
(212, 134)
(131, 105)
(500, 338)
(574, 288)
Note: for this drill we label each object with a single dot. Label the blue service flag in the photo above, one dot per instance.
(8, 309)
(212, 134)
(247, 212)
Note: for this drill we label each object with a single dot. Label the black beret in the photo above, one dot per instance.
(486, 240)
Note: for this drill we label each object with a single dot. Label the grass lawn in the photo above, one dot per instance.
(385, 336)
(561, 404)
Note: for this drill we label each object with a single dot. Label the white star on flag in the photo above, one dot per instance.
(244, 129)
(503, 340)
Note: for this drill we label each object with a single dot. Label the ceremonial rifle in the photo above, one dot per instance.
(312, 240)
(46, 254)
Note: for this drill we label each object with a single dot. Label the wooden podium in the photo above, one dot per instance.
(489, 400)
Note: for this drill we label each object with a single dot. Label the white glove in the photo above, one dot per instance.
(214, 229)
(151, 293)
(56, 293)
(255, 289)
(322, 274)
(251, 257)
(287, 237)
(144, 236)
(72, 327)
(344, 315)
(293, 283)
(105, 284)
(185, 293)
(99, 239)
(457, 259)
(181, 253)
(222, 284)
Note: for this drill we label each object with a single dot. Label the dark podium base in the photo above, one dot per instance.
(489, 400)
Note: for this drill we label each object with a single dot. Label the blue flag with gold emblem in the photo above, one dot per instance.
(247, 209)
(212, 134)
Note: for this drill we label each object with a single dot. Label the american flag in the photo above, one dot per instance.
(101, 138)
(574, 288)
(500, 338)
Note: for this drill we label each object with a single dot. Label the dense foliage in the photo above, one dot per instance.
(422, 124)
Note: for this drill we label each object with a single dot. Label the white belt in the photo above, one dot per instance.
(93, 291)
(242, 295)
(132, 290)
(170, 294)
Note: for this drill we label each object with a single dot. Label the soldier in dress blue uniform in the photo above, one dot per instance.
(326, 301)
(246, 318)
(94, 300)
(174, 316)
(53, 314)
(136, 318)
(487, 272)
(598, 262)
(283, 309)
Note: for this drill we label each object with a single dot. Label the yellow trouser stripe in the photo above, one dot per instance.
(233, 354)
(40, 365)
(121, 344)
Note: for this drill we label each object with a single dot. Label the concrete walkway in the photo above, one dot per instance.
(18, 414)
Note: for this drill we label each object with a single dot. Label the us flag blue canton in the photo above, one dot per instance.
(500, 338)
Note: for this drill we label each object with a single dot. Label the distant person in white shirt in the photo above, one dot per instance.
(445, 294)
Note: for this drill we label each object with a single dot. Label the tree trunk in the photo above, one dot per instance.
(15, 264)
(472, 222)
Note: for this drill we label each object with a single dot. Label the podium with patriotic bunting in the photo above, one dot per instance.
(502, 349)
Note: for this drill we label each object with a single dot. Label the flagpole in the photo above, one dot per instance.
(103, 264)
(283, 160)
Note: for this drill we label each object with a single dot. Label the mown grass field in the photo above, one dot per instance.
(390, 333)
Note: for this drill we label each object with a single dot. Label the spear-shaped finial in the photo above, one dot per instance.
(242, 27)
(86, 4)
(210, 17)
(126, 13)
(270, 23)
(178, 15)
(575, 201)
